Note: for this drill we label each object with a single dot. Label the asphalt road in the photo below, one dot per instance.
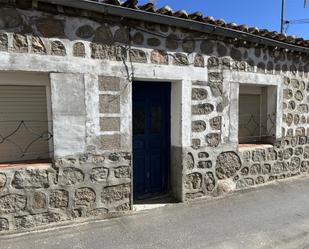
(274, 216)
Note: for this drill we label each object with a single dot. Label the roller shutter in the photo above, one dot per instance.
(23, 123)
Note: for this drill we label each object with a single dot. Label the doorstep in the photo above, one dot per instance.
(153, 203)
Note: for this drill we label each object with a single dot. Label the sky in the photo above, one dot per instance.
(264, 14)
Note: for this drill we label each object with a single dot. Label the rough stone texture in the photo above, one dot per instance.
(227, 165)
(180, 59)
(3, 42)
(303, 108)
(225, 186)
(123, 208)
(99, 174)
(85, 32)
(30, 179)
(138, 38)
(215, 77)
(196, 143)
(188, 45)
(213, 62)
(50, 27)
(153, 42)
(9, 19)
(209, 182)
(172, 42)
(109, 83)
(204, 164)
(159, 57)
(202, 109)
(215, 123)
(39, 200)
(199, 94)
(216, 89)
(222, 50)
(258, 156)
(137, 55)
(236, 54)
(59, 199)
(199, 61)
(192, 196)
(24, 222)
(12, 203)
(193, 181)
(122, 172)
(84, 197)
(103, 35)
(2, 180)
(122, 36)
(79, 49)
(213, 139)
(37, 45)
(108, 52)
(115, 194)
(299, 96)
(109, 103)
(189, 161)
(203, 155)
(4, 224)
(110, 142)
(71, 176)
(198, 126)
(57, 48)
(110, 124)
(207, 47)
(20, 43)
(244, 183)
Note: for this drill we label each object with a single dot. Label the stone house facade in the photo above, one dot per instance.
(236, 114)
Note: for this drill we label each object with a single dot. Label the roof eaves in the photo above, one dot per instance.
(164, 16)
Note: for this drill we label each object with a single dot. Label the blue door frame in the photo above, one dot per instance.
(151, 138)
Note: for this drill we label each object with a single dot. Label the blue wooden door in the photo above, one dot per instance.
(151, 138)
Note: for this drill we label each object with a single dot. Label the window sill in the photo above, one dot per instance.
(26, 164)
(242, 147)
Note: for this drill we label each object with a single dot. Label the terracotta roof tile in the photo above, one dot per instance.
(166, 10)
(132, 4)
(181, 14)
(148, 7)
(198, 17)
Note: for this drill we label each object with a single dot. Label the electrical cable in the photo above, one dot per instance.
(298, 21)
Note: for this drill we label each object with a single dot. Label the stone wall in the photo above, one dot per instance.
(92, 61)
(214, 164)
(74, 187)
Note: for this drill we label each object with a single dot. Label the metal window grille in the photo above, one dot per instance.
(25, 140)
(255, 124)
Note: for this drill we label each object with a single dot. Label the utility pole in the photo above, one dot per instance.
(282, 16)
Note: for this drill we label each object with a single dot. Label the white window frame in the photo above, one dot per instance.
(232, 81)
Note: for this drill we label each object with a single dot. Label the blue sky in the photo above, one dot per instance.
(257, 13)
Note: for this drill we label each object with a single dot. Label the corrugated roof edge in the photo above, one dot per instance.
(195, 22)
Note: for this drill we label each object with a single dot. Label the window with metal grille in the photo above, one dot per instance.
(24, 127)
(255, 117)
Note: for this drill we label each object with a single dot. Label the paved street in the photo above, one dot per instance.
(274, 216)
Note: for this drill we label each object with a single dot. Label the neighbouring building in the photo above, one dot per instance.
(103, 103)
